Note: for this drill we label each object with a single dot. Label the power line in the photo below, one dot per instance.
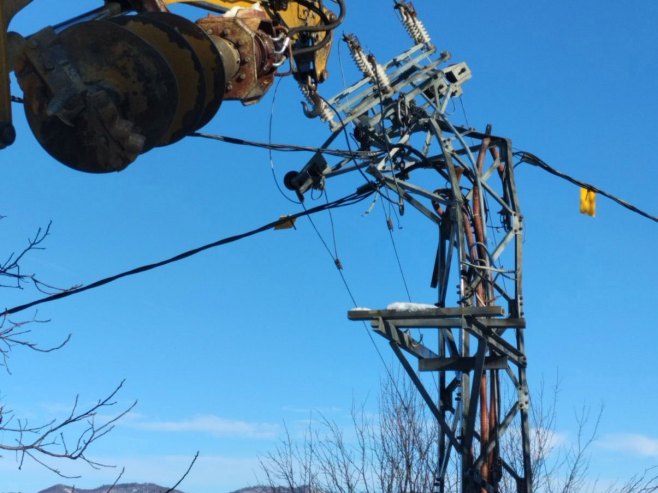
(339, 268)
(269, 143)
(345, 201)
(528, 157)
(287, 147)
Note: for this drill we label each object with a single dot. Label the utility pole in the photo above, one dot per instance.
(473, 344)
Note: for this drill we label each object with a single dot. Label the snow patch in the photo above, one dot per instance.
(410, 307)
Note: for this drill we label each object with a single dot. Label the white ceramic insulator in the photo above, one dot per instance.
(414, 26)
(423, 35)
(360, 60)
(381, 78)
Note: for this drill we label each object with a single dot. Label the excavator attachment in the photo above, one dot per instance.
(308, 20)
(111, 84)
(100, 93)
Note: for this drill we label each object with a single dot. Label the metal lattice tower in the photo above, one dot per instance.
(462, 181)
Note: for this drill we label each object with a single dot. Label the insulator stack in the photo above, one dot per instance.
(358, 55)
(412, 24)
(367, 64)
(379, 77)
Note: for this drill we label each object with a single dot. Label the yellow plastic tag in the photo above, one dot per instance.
(588, 202)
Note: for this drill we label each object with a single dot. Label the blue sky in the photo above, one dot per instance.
(222, 349)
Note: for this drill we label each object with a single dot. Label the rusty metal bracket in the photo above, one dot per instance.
(245, 41)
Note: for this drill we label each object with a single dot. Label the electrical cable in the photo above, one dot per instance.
(399, 262)
(355, 154)
(326, 28)
(381, 117)
(333, 226)
(322, 240)
(345, 201)
(528, 157)
(339, 267)
(269, 143)
(285, 147)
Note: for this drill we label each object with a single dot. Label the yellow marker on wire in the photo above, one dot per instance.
(588, 202)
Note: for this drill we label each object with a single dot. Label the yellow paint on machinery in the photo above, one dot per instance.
(295, 15)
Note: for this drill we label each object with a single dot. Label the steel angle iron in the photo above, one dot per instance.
(466, 355)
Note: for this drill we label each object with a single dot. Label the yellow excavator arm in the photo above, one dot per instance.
(105, 87)
(293, 15)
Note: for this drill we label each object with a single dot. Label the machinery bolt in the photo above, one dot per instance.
(242, 77)
(229, 87)
(226, 33)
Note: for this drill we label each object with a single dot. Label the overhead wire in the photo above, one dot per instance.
(345, 201)
(353, 154)
(350, 293)
(396, 254)
(269, 143)
(333, 229)
(528, 157)
(285, 147)
(334, 256)
(390, 201)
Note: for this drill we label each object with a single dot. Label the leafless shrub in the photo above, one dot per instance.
(396, 452)
(56, 440)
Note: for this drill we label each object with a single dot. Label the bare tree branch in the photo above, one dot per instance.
(48, 441)
(116, 481)
(189, 468)
(66, 439)
(396, 451)
(392, 452)
(12, 271)
(15, 334)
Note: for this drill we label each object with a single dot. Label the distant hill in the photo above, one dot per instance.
(154, 488)
(119, 488)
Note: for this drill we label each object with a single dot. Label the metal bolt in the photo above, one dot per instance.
(229, 87)
(226, 33)
(242, 77)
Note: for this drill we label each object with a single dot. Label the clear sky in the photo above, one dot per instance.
(222, 349)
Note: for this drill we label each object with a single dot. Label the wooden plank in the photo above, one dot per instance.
(461, 364)
(472, 311)
(433, 323)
